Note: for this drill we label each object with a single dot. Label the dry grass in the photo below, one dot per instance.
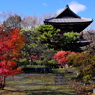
(37, 84)
(44, 84)
(11, 91)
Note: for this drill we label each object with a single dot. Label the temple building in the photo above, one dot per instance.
(68, 21)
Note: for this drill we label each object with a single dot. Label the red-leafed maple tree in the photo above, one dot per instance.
(34, 56)
(11, 42)
(61, 57)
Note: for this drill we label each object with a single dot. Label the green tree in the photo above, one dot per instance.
(71, 37)
(32, 46)
(52, 38)
(47, 35)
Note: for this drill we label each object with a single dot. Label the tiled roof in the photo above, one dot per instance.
(67, 16)
(67, 20)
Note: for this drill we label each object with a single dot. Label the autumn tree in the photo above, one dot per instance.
(61, 57)
(31, 22)
(13, 21)
(90, 36)
(46, 16)
(11, 42)
(85, 63)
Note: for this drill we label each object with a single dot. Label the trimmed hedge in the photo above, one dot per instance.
(36, 70)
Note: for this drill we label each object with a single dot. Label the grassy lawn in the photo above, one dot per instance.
(39, 84)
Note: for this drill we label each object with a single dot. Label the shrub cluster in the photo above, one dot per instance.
(85, 61)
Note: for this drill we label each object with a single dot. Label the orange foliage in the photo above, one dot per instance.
(11, 63)
(61, 57)
(11, 42)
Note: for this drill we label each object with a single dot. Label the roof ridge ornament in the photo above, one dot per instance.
(67, 5)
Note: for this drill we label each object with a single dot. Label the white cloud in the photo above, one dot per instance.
(76, 7)
(44, 4)
(59, 11)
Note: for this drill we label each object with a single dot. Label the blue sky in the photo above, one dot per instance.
(84, 8)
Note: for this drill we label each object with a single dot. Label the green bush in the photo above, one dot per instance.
(35, 66)
(39, 62)
(23, 62)
(86, 78)
(46, 62)
(51, 62)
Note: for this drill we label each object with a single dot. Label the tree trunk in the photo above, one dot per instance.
(3, 83)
